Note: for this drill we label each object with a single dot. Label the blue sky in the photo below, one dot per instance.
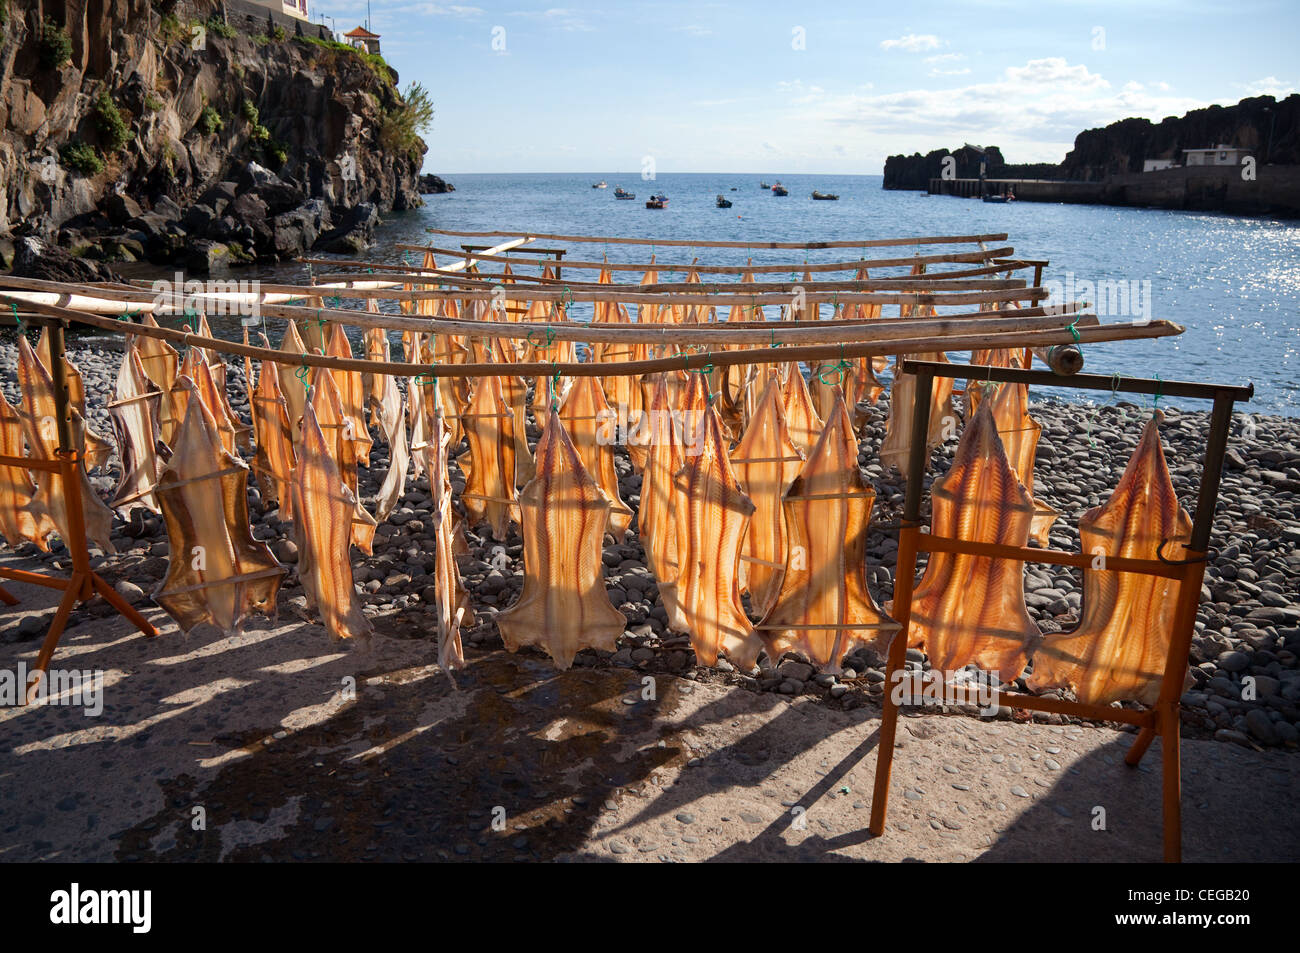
(809, 87)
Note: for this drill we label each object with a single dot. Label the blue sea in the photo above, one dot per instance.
(1234, 283)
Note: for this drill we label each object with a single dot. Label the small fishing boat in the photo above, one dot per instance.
(600, 185)
(622, 193)
(733, 188)
(999, 198)
(723, 203)
(779, 189)
(657, 201)
(825, 196)
(764, 185)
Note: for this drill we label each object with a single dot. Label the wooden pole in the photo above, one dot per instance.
(687, 243)
(761, 355)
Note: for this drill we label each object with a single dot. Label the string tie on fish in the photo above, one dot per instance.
(301, 373)
(18, 320)
(547, 338)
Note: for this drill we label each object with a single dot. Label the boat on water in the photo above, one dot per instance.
(825, 196)
(1008, 197)
(764, 185)
(733, 188)
(779, 189)
(600, 185)
(622, 193)
(657, 201)
(723, 203)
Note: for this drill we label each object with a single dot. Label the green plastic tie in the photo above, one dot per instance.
(301, 373)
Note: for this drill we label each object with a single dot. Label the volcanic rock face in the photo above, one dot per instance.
(166, 130)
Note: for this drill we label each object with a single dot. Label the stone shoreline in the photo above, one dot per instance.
(1246, 624)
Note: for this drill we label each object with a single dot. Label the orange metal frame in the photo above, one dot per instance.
(1163, 718)
(84, 583)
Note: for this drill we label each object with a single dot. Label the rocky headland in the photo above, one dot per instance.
(196, 134)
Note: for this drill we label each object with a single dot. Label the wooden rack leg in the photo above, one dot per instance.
(122, 606)
(71, 596)
(1172, 783)
(7, 597)
(897, 659)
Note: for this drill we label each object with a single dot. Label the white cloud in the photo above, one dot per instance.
(1054, 70)
(563, 18)
(945, 58)
(950, 72)
(1270, 86)
(799, 92)
(913, 43)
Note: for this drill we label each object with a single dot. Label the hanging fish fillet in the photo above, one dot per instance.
(275, 459)
(37, 413)
(95, 449)
(198, 372)
(453, 601)
(972, 608)
(352, 392)
(563, 606)
(800, 416)
(292, 386)
(992, 357)
(896, 448)
(587, 417)
(323, 510)
(825, 609)
(161, 364)
(377, 349)
(337, 427)
(766, 462)
(217, 365)
(18, 521)
(134, 412)
(514, 391)
(388, 413)
(490, 469)
(1118, 652)
(216, 571)
(1020, 433)
(711, 523)
(660, 501)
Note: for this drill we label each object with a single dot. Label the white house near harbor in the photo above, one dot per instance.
(1157, 165)
(1219, 155)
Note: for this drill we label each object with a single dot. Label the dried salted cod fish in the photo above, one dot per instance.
(294, 380)
(337, 427)
(323, 511)
(587, 418)
(1118, 652)
(490, 469)
(275, 459)
(161, 365)
(825, 609)
(514, 391)
(216, 572)
(711, 524)
(198, 372)
(217, 366)
(1020, 433)
(377, 349)
(657, 516)
(388, 413)
(134, 412)
(453, 601)
(992, 357)
(37, 413)
(95, 449)
(800, 415)
(352, 392)
(563, 606)
(450, 349)
(766, 462)
(972, 608)
(18, 521)
(897, 445)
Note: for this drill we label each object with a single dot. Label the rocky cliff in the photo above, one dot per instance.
(1269, 128)
(192, 131)
(916, 171)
